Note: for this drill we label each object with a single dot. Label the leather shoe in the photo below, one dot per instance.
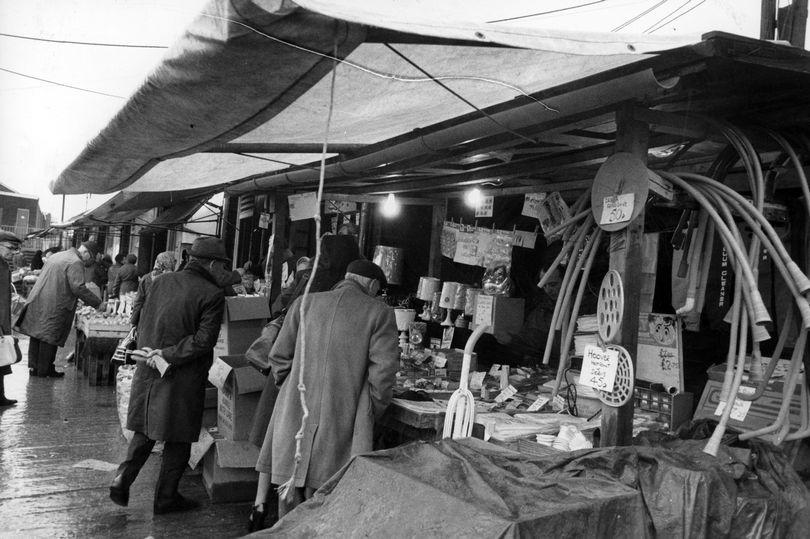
(7, 402)
(259, 519)
(173, 505)
(119, 492)
(53, 373)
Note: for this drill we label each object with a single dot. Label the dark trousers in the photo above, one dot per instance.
(175, 458)
(41, 356)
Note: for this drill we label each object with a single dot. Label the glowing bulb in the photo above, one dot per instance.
(391, 206)
(473, 197)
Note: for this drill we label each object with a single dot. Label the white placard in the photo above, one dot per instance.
(447, 336)
(617, 209)
(507, 393)
(494, 370)
(599, 367)
(439, 361)
(538, 404)
(483, 310)
(477, 380)
(303, 206)
(740, 408)
(525, 239)
(264, 220)
(531, 204)
(558, 403)
(484, 209)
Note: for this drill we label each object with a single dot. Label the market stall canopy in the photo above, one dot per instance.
(254, 71)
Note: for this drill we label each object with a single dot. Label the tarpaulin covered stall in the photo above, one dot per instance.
(466, 488)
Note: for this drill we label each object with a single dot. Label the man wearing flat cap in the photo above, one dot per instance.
(349, 372)
(48, 314)
(9, 246)
(179, 321)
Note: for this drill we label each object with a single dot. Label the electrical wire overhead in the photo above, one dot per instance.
(60, 83)
(89, 43)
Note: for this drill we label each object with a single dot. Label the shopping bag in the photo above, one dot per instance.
(9, 351)
(127, 344)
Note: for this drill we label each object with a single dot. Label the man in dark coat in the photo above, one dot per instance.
(126, 280)
(9, 244)
(179, 321)
(47, 316)
(349, 373)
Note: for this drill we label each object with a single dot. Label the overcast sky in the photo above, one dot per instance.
(44, 125)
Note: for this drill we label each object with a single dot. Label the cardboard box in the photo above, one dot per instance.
(502, 314)
(240, 386)
(242, 323)
(229, 473)
(454, 358)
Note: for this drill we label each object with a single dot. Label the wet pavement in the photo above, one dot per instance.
(58, 423)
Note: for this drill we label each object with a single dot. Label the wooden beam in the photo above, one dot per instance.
(280, 217)
(437, 222)
(283, 147)
(377, 199)
(632, 136)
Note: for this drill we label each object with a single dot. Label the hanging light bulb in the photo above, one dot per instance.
(473, 197)
(390, 208)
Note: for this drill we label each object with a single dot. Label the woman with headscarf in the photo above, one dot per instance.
(164, 263)
(336, 254)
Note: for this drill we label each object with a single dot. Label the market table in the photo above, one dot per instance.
(414, 420)
(96, 340)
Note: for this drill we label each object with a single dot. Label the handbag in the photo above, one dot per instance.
(126, 345)
(10, 352)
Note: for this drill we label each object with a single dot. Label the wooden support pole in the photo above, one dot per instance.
(437, 222)
(280, 217)
(632, 136)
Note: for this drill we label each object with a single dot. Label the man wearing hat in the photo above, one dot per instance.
(179, 321)
(349, 372)
(48, 314)
(9, 245)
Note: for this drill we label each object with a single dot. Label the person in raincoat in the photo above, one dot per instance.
(179, 321)
(352, 357)
(9, 244)
(47, 316)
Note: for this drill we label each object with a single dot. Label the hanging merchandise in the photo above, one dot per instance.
(531, 204)
(392, 262)
(497, 249)
(467, 247)
(525, 239)
(484, 208)
(659, 356)
(448, 239)
(610, 306)
(619, 191)
(624, 381)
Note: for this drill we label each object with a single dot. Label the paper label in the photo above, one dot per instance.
(538, 404)
(599, 368)
(740, 408)
(439, 361)
(264, 220)
(617, 209)
(532, 203)
(494, 370)
(484, 209)
(507, 393)
(303, 206)
(525, 239)
(558, 403)
(477, 380)
(447, 336)
(483, 310)
(513, 404)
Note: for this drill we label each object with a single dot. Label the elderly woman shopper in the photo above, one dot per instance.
(164, 263)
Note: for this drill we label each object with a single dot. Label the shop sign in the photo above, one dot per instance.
(303, 206)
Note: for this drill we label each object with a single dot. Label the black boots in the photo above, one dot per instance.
(175, 504)
(119, 491)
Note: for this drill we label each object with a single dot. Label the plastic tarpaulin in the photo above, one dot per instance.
(471, 488)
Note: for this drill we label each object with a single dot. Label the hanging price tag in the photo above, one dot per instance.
(264, 220)
(599, 367)
(617, 209)
(483, 310)
(303, 206)
(484, 209)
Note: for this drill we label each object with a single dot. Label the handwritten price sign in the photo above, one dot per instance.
(617, 209)
(599, 368)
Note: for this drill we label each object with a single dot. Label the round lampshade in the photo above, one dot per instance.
(461, 297)
(448, 295)
(427, 287)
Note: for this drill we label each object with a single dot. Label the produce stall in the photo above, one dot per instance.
(97, 336)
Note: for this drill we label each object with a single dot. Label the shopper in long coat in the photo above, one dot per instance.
(179, 321)
(351, 363)
(47, 316)
(9, 244)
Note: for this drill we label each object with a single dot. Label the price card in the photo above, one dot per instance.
(507, 393)
(538, 404)
(558, 403)
(599, 367)
(303, 206)
(477, 380)
(525, 239)
(439, 361)
(483, 310)
(484, 209)
(447, 336)
(494, 370)
(532, 203)
(740, 408)
(513, 404)
(617, 209)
